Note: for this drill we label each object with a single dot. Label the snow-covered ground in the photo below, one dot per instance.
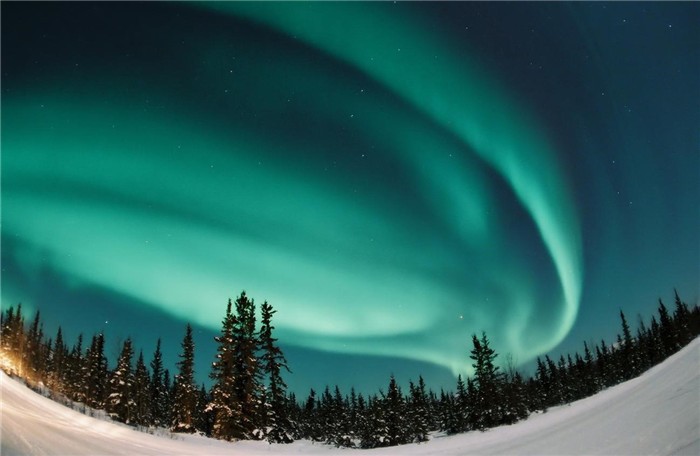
(657, 413)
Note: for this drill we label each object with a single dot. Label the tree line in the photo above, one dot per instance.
(248, 398)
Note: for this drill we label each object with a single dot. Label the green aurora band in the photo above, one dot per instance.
(181, 212)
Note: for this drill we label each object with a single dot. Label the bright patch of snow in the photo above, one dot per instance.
(657, 413)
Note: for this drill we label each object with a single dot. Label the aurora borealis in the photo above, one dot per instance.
(391, 177)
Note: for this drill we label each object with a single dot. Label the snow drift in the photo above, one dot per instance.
(657, 413)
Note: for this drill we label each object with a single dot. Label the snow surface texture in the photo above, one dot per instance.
(657, 413)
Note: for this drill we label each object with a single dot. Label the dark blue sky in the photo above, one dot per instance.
(391, 177)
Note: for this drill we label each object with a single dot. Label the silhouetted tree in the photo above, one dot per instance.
(94, 373)
(141, 394)
(158, 393)
(272, 361)
(488, 403)
(185, 400)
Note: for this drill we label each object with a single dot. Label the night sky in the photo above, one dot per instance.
(390, 177)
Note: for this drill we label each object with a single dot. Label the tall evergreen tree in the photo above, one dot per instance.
(642, 343)
(169, 396)
(186, 393)
(339, 432)
(681, 322)
(459, 409)
(141, 394)
(394, 412)
(555, 393)
(247, 385)
(655, 347)
(418, 415)
(589, 383)
(278, 426)
(75, 380)
(629, 362)
(444, 412)
(543, 387)
(58, 364)
(120, 402)
(488, 404)
(326, 414)
(33, 356)
(374, 432)
(667, 331)
(158, 401)
(94, 373)
(224, 404)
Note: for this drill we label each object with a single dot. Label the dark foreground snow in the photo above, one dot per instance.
(657, 413)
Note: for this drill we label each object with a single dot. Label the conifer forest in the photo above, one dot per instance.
(248, 397)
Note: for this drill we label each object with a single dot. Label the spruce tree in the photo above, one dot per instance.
(543, 387)
(394, 412)
(642, 343)
(120, 402)
(375, 432)
(608, 367)
(326, 416)
(278, 426)
(158, 401)
(185, 400)
(94, 373)
(488, 403)
(75, 380)
(589, 382)
(339, 432)
(667, 332)
(460, 408)
(203, 416)
(33, 356)
(247, 385)
(294, 414)
(141, 394)
(59, 364)
(681, 322)
(362, 420)
(353, 417)
(629, 362)
(655, 347)
(418, 413)
(517, 407)
(224, 405)
(564, 385)
(169, 390)
(310, 428)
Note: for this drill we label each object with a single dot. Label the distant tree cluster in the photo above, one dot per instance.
(248, 398)
(492, 397)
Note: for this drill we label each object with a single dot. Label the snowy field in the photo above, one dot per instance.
(657, 413)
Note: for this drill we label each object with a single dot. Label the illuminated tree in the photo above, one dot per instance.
(120, 403)
(224, 403)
